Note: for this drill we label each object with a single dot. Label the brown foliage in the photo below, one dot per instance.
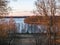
(6, 27)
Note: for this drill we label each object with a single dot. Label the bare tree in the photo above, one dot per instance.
(47, 7)
(3, 7)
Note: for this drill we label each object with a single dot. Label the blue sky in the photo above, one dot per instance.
(22, 5)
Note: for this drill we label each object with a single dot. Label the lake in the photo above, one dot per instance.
(27, 28)
(19, 21)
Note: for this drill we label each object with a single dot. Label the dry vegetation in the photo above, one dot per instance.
(7, 27)
(46, 14)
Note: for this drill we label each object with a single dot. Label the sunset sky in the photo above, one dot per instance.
(22, 7)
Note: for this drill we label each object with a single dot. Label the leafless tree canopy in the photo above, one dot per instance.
(47, 7)
(3, 7)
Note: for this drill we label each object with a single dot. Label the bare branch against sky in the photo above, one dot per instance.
(47, 7)
(3, 7)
